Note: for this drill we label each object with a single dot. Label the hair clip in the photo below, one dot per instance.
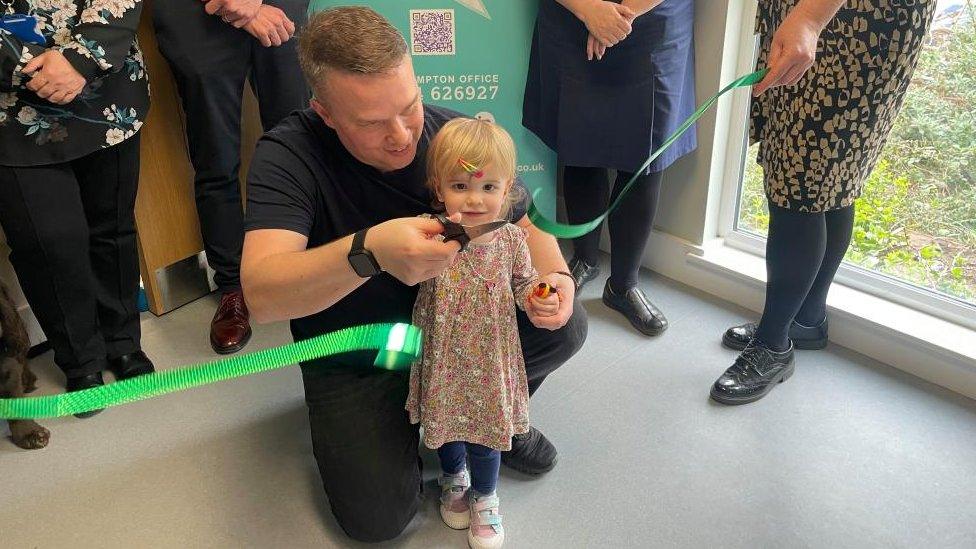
(470, 168)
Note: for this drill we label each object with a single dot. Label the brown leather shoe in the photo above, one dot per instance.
(230, 330)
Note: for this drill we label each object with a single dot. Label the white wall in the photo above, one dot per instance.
(689, 203)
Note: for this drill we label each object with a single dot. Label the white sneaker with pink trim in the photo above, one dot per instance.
(455, 509)
(486, 524)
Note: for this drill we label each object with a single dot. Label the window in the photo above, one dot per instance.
(915, 225)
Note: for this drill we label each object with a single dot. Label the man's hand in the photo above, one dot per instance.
(566, 290)
(233, 12)
(406, 248)
(54, 78)
(271, 26)
(792, 52)
(608, 22)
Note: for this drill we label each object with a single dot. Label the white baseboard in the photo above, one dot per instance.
(930, 348)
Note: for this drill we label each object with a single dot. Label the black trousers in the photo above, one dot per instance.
(72, 235)
(366, 448)
(210, 61)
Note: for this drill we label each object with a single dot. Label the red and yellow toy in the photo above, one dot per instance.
(543, 290)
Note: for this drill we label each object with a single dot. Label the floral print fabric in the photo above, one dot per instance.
(98, 38)
(470, 382)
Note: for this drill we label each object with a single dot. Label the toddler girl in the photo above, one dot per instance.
(469, 390)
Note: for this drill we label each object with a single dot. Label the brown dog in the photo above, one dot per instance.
(16, 379)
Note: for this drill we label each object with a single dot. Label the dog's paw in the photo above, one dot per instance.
(30, 436)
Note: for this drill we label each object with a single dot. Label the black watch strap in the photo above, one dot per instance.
(570, 275)
(361, 259)
(358, 240)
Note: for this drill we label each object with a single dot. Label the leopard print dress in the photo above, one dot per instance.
(820, 139)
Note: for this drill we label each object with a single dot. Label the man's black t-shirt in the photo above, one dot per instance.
(303, 179)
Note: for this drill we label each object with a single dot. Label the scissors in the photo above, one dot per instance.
(464, 233)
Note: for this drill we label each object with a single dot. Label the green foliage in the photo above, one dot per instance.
(916, 219)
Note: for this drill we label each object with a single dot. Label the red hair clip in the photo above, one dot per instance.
(470, 168)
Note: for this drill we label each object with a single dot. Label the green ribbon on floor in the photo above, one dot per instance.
(562, 230)
(398, 346)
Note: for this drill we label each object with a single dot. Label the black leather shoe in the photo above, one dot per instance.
(531, 453)
(131, 365)
(757, 370)
(582, 271)
(634, 305)
(806, 338)
(82, 383)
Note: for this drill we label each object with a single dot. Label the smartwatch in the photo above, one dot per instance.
(361, 259)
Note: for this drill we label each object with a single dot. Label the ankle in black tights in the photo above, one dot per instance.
(803, 252)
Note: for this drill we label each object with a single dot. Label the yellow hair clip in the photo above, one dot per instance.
(470, 168)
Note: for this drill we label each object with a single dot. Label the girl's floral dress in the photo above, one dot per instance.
(470, 383)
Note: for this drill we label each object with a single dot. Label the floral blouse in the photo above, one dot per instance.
(98, 38)
(470, 382)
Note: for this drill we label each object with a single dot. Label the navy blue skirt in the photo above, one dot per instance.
(612, 113)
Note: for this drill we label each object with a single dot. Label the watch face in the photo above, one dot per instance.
(363, 264)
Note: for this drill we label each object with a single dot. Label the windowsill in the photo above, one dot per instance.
(929, 347)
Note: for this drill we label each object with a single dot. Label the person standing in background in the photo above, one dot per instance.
(820, 134)
(212, 47)
(608, 82)
(70, 113)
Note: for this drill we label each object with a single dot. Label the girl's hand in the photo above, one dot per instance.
(542, 306)
(566, 289)
(542, 301)
(608, 22)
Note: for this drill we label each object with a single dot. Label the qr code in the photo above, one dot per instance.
(432, 32)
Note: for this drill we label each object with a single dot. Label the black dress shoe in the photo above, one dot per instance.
(754, 374)
(803, 337)
(583, 272)
(634, 305)
(82, 383)
(531, 453)
(131, 365)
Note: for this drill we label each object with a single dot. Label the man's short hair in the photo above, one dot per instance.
(354, 39)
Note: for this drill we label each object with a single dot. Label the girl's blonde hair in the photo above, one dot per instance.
(476, 142)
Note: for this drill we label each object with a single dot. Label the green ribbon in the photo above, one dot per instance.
(398, 346)
(562, 230)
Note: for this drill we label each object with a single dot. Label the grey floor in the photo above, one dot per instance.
(848, 453)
